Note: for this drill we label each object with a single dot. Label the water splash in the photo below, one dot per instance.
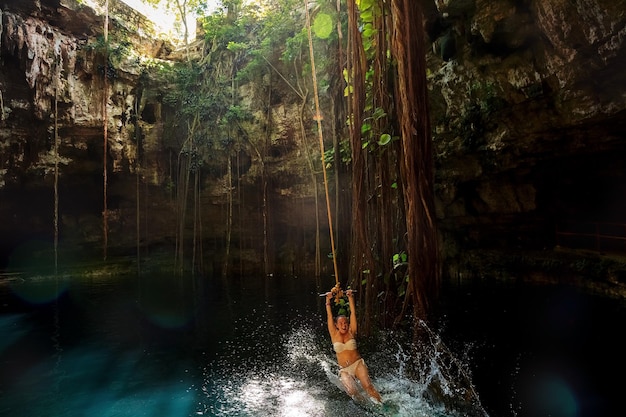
(446, 376)
(301, 381)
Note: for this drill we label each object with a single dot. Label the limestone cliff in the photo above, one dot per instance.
(528, 112)
(51, 89)
(527, 107)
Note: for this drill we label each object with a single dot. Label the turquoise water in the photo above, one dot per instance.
(251, 346)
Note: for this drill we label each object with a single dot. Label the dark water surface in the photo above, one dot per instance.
(257, 346)
(540, 350)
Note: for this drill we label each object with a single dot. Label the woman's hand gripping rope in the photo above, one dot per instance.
(337, 292)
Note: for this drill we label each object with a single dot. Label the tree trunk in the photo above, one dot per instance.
(416, 156)
(363, 268)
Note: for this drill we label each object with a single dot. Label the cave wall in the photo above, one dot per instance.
(51, 81)
(527, 107)
(528, 110)
(51, 85)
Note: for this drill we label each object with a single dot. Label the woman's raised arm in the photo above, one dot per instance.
(329, 314)
(353, 326)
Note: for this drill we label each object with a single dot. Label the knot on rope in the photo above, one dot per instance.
(338, 292)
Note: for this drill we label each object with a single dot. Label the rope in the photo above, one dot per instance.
(320, 135)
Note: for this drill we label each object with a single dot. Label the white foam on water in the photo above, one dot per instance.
(302, 381)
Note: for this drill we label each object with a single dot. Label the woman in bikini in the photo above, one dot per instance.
(342, 334)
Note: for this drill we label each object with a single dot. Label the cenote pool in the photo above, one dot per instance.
(257, 346)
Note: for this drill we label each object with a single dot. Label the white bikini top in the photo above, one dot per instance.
(349, 345)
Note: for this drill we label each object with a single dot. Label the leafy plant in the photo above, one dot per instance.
(115, 51)
(344, 153)
(484, 101)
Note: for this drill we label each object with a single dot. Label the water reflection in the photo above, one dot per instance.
(38, 289)
(91, 381)
(554, 396)
(272, 395)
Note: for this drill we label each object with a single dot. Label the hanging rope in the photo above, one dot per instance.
(320, 135)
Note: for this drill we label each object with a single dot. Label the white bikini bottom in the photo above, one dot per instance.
(351, 369)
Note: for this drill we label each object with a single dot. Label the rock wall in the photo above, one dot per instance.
(52, 90)
(527, 106)
(528, 113)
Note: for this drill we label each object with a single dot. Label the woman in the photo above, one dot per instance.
(342, 334)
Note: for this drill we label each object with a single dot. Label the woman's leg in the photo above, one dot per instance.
(349, 384)
(363, 375)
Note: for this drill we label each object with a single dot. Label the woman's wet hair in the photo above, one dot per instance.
(341, 315)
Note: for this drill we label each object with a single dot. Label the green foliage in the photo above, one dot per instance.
(344, 153)
(323, 26)
(294, 47)
(115, 49)
(369, 10)
(486, 96)
(375, 132)
(236, 114)
(209, 116)
(385, 139)
(245, 46)
(399, 259)
(368, 131)
(195, 127)
(239, 34)
(156, 65)
(341, 306)
(215, 27)
(484, 102)
(237, 46)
